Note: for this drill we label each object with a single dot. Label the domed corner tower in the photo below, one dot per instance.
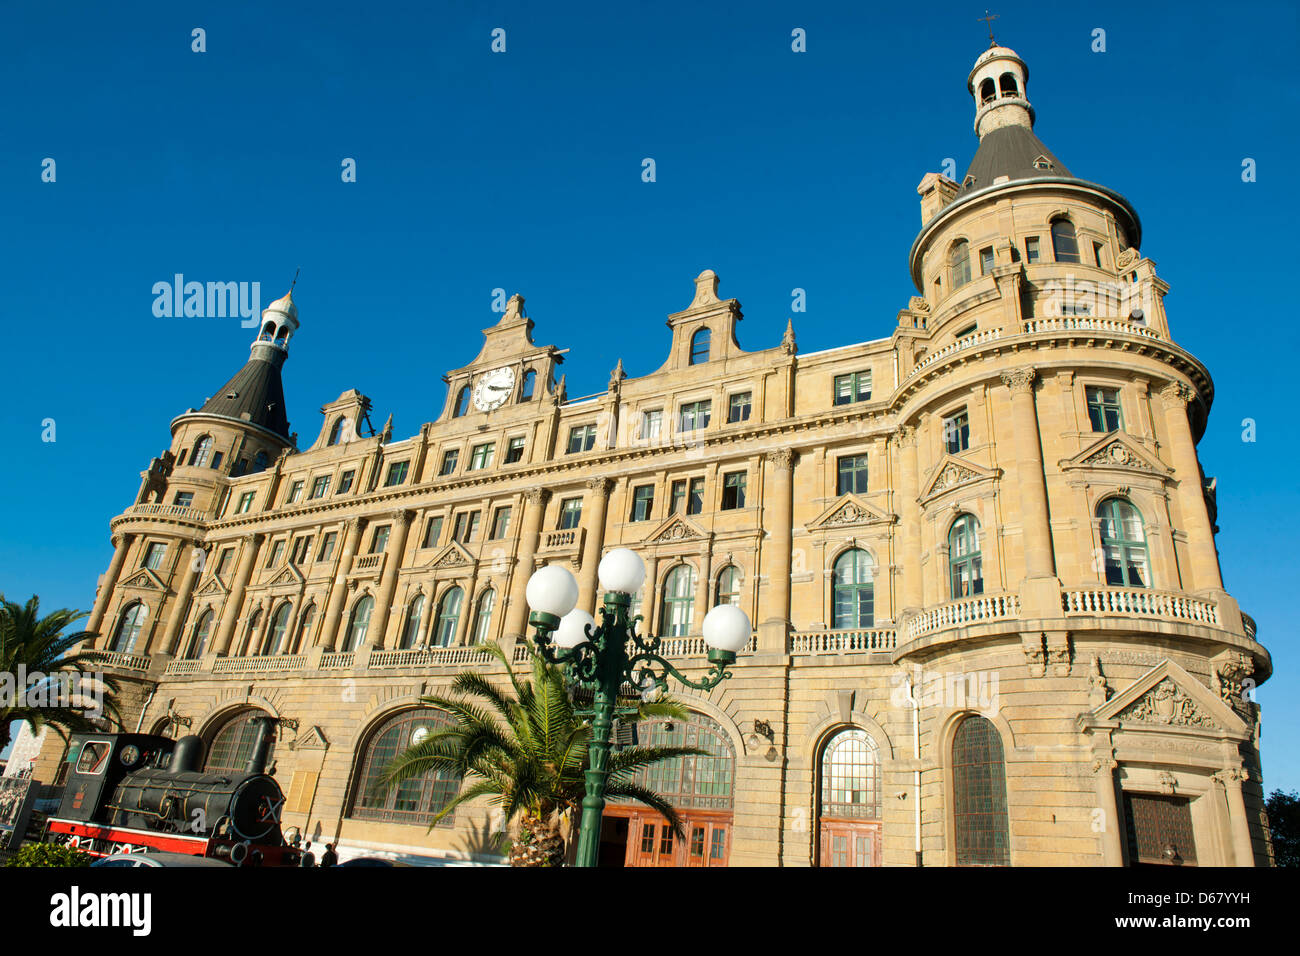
(1061, 529)
(159, 542)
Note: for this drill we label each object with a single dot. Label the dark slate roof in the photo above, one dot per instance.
(1010, 151)
(257, 390)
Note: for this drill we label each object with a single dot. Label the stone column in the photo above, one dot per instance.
(594, 512)
(1191, 494)
(702, 586)
(775, 626)
(338, 590)
(910, 516)
(189, 578)
(1036, 531)
(1243, 849)
(377, 633)
(121, 544)
(468, 608)
(529, 527)
(1112, 853)
(235, 599)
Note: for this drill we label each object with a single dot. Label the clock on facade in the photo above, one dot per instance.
(493, 388)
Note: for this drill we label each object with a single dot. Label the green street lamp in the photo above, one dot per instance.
(602, 657)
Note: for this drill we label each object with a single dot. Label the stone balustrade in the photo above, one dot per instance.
(367, 562)
(158, 510)
(270, 664)
(844, 641)
(1088, 323)
(119, 660)
(429, 657)
(1140, 602)
(980, 609)
(337, 660)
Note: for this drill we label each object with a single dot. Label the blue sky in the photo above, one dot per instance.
(522, 171)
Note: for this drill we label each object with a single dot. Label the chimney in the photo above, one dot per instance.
(262, 745)
(936, 191)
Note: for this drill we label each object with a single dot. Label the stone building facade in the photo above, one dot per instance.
(979, 556)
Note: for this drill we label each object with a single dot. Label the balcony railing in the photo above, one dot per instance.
(337, 660)
(126, 662)
(844, 641)
(980, 609)
(429, 657)
(367, 562)
(269, 664)
(1248, 623)
(1141, 602)
(966, 342)
(166, 511)
(181, 668)
(1088, 323)
(564, 540)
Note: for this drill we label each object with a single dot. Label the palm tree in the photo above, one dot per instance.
(529, 752)
(37, 644)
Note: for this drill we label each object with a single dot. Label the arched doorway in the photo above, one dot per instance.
(701, 789)
(848, 800)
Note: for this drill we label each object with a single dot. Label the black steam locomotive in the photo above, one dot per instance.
(133, 792)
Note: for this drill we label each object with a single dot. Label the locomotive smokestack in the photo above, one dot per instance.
(262, 746)
(187, 755)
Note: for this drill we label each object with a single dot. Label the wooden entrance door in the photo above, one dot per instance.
(1159, 830)
(652, 842)
(849, 843)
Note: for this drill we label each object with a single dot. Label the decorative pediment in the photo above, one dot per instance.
(289, 576)
(452, 556)
(212, 587)
(850, 511)
(675, 528)
(144, 580)
(310, 739)
(1168, 696)
(952, 472)
(1118, 450)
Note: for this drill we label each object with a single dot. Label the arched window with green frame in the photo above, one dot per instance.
(965, 564)
(1123, 544)
(853, 602)
(677, 611)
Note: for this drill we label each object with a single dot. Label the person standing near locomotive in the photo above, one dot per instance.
(308, 858)
(329, 857)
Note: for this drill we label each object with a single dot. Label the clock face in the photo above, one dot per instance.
(493, 388)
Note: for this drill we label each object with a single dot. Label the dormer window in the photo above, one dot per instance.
(700, 346)
(1042, 162)
(968, 182)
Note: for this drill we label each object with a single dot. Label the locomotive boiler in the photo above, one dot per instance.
(132, 792)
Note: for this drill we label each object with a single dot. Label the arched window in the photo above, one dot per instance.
(358, 623)
(1065, 245)
(849, 827)
(462, 402)
(729, 586)
(702, 782)
(336, 433)
(274, 642)
(249, 646)
(700, 342)
(202, 449)
(527, 385)
(958, 264)
(414, 801)
(677, 612)
(259, 462)
(129, 625)
(1123, 544)
(987, 91)
(1007, 83)
(964, 562)
(268, 331)
(304, 629)
(483, 616)
(448, 617)
(232, 744)
(199, 638)
(853, 592)
(979, 790)
(411, 629)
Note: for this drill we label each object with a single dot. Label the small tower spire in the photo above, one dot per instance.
(989, 18)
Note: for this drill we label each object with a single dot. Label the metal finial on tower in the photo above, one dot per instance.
(295, 278)
(989, 18)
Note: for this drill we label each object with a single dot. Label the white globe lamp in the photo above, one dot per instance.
(572, 631)
(622, 571)
(727, 628)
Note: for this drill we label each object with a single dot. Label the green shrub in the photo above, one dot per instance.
(48, 854)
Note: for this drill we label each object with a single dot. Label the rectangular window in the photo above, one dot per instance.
(581, 438)
(718, 844)
(345, 483)
(1104, 409)
(694, 415)
(216, 459)
(223, 562)
(245, 502)
(986, 260)
(449, 459)
(295, 493)
(651, 424)
(855, 387)
(277, 552)
(738, 407)
(643, 501)
(969, 330)
(396, 473)
(302, 549)
(570, 513)
(647, 836)
(695, 501)
(327, 546)
(1032, 253)
(733, 490)
(956, 432)
(501, 522)
(183, 498)
(466, 527)
(380, 540)
(153, 555)
(432, 533)
(320, 487)
(697, 841)
(515, 450)
(482, 456)
(678, 497)
(852, 475)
